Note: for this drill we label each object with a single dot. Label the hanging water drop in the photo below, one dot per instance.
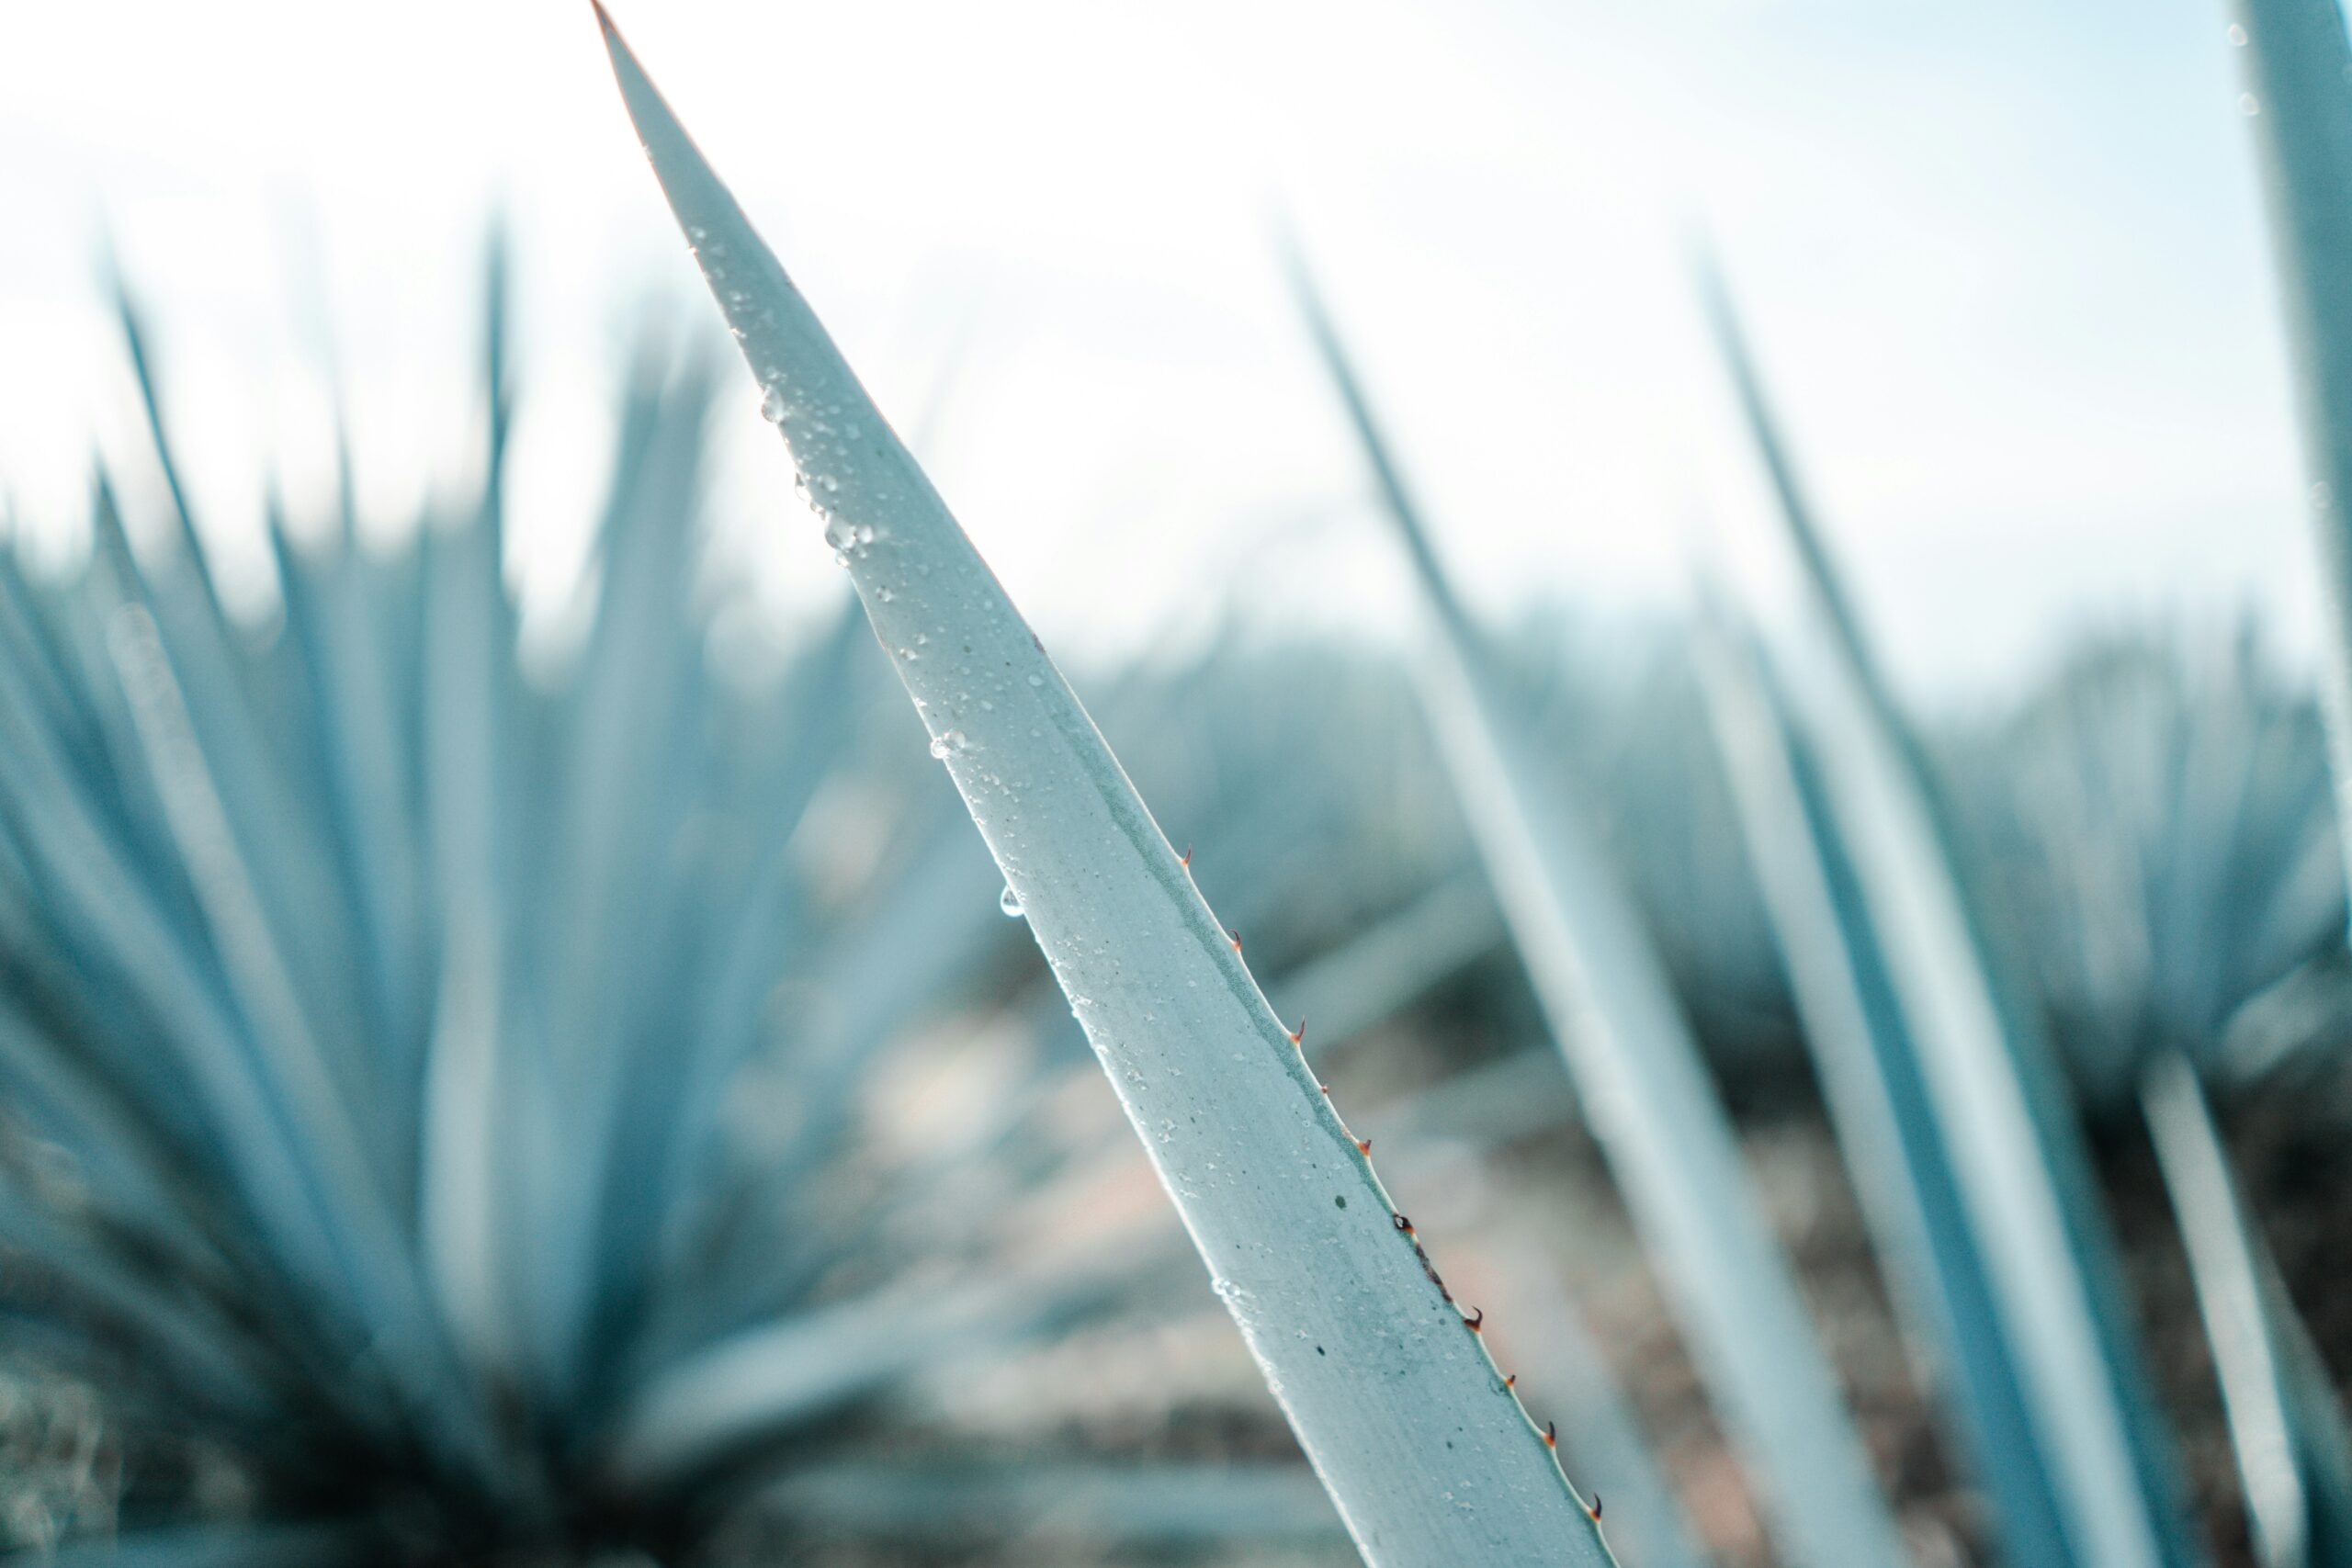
(772, 404)
(1010, 902)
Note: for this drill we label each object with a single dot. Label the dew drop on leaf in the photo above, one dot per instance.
(1010, 902)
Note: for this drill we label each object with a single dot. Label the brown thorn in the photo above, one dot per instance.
(1403, 1223)
(1185, 860)
(1551, 1434)
(1298, 1035)
(1595, 1509)
(1476, 1321)
(1325, 1087)
(1234, 937)
(1510, 1380)
(1363, 1147)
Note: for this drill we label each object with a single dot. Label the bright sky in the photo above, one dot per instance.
(2003, 263)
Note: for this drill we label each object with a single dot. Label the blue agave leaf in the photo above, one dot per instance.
(2293, 1451)
(2297, 61)
(2008, 1119)
(347, 723)
(1871, 1077)
(27, 645)
(1608, 1445)
(1131, 939)
(134, 339)
(1623, 1034)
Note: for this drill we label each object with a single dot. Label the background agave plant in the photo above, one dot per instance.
(453, 1113)
(2157, 821)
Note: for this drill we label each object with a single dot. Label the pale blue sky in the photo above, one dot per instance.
(2003, 262)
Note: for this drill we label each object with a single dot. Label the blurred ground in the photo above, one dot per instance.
(1182, 1389)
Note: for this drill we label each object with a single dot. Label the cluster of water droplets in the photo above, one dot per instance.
(819, 484)
(847, 539)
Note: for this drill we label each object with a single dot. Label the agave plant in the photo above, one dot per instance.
(2157, 822)
(454, 1113)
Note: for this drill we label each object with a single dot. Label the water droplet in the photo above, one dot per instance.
(1037, 680)
(945, 742)
(2249, 103)
(772, 404)
(1010, 902)
(2237, 35)
(841, 535)
(886, 595)
(831, 484)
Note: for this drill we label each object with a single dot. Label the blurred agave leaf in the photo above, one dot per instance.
(1620, 717)
(1870, 1077)
(2297, 68)
(2294, 1455)
(1644, 1088)
(1607, 1445)
(2298, 65)
(1424, 1448)
(2008, 1119)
